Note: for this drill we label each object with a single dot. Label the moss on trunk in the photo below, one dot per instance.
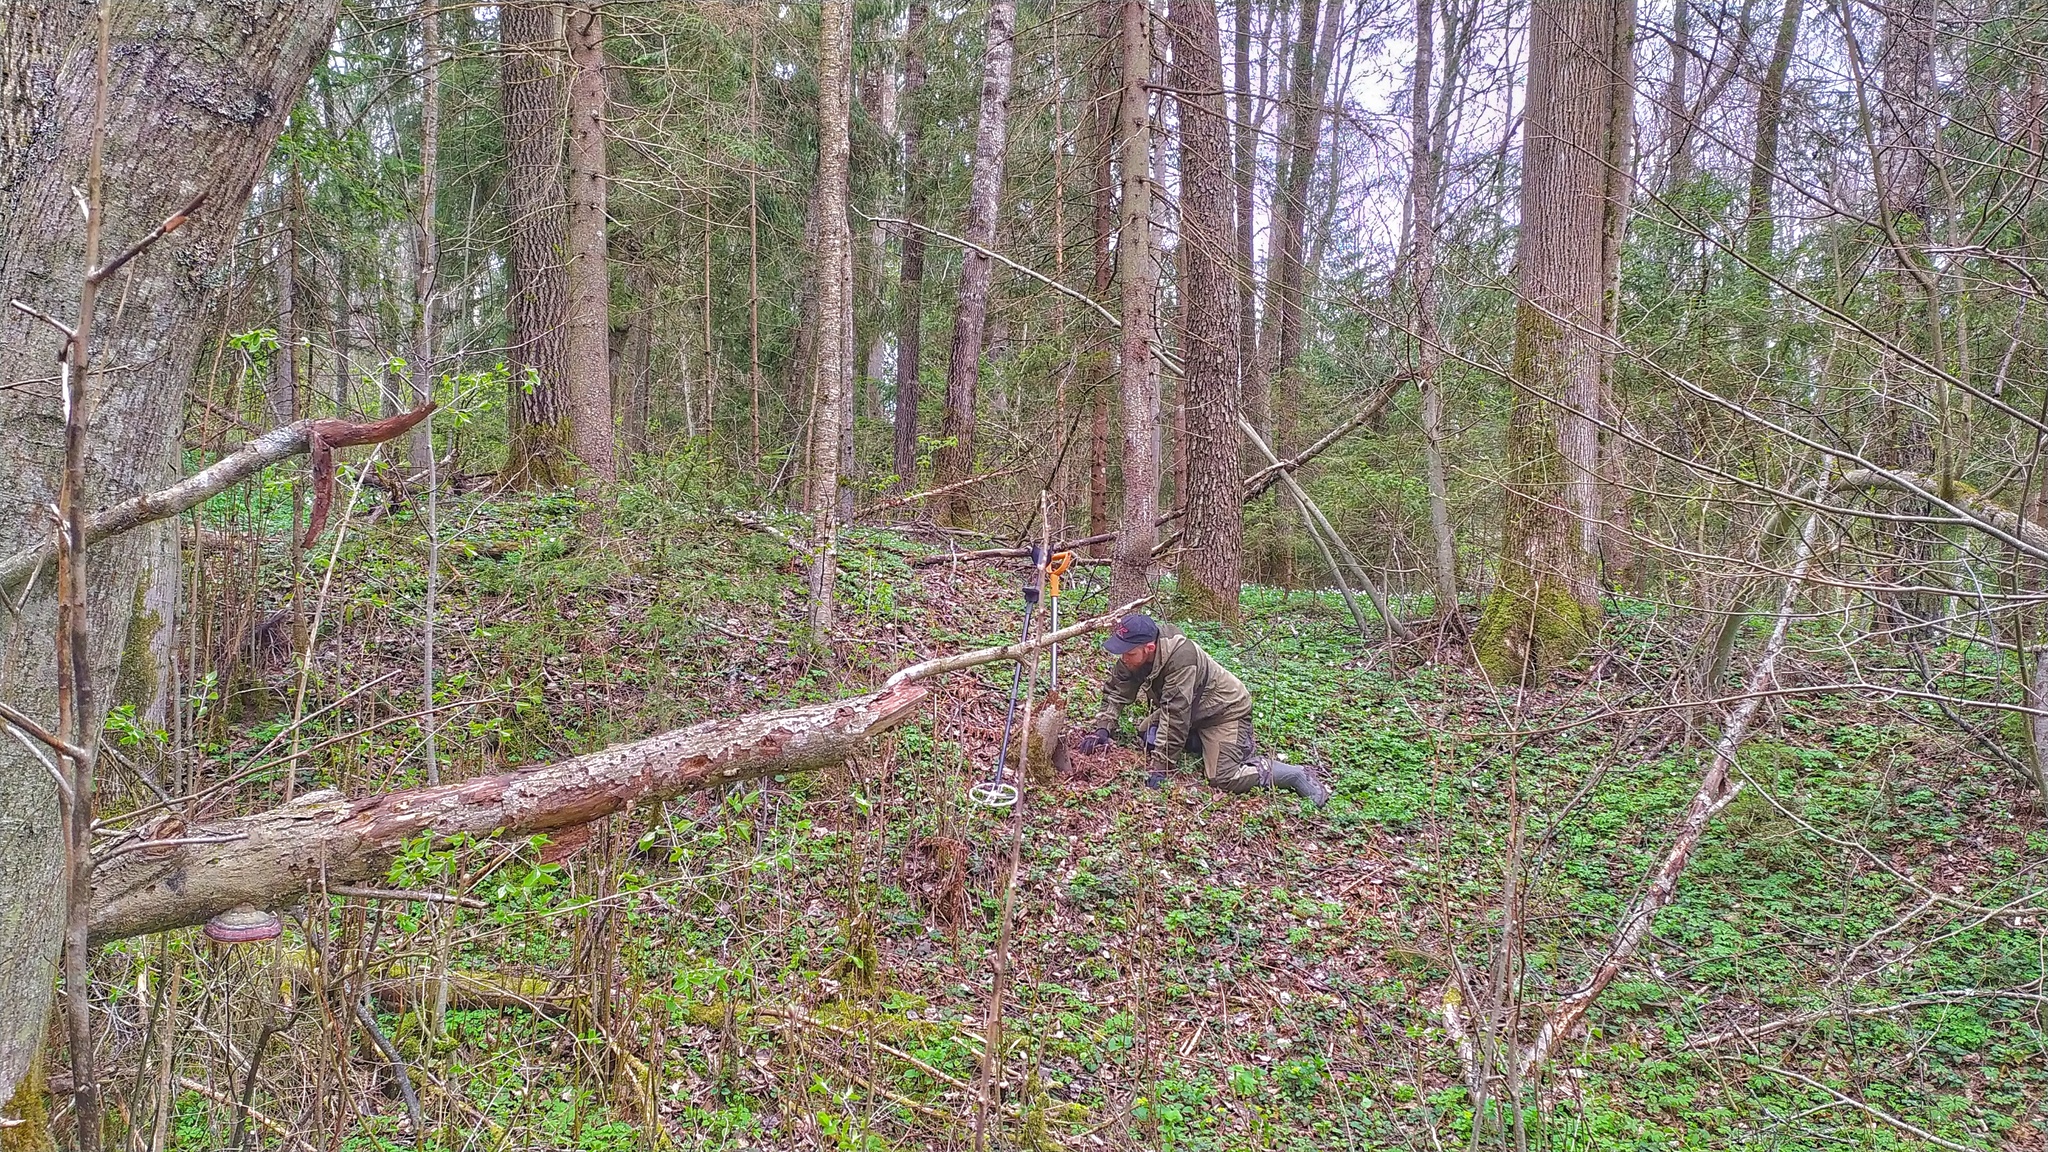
(538, 458)
(137, 681)
(1530, 627)
(28, 1113)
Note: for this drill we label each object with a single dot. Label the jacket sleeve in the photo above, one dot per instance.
(1118, 693)
(1177, 706)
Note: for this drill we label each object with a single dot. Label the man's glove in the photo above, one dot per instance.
(1094, 741)
(1155, 771)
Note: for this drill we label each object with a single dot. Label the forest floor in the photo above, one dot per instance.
(808, 962)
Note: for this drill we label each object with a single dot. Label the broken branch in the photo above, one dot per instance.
(938, 665)
(1715, 793)
(1256, 484)
(251, 458)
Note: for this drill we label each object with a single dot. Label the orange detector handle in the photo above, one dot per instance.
(1056, 566)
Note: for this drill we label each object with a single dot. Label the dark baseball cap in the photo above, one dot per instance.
(1133, 631)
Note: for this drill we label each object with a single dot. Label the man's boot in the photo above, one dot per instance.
(1300, 779)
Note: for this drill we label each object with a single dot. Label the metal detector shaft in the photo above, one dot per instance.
(1054, 684)
(1017, 670)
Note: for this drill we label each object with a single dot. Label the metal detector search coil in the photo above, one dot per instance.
(993, 793)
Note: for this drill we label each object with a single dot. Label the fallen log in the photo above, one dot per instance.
(187, 874)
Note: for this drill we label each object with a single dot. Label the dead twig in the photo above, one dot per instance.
(1876, 1114)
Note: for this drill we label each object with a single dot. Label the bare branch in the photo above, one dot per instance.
(33, 313)
(170, 225)
(1714, 794)
(196, 489)
(20, 719)
(1880, 1116)
(943, 664)
(1801, 1019)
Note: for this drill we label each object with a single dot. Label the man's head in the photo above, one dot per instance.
(1134, 640)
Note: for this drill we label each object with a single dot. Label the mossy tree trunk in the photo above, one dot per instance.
(183, 117)
(1545, 609)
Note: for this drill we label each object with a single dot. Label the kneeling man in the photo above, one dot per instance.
(1198, 708)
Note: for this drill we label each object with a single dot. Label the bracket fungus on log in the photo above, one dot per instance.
(244, 924)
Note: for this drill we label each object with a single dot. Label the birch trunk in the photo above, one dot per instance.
(832, 367)
(955, 461)
(271, 858)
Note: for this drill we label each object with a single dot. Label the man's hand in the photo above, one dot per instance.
(1155, 771)
(1094, 741)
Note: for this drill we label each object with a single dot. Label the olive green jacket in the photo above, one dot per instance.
(1185, 688)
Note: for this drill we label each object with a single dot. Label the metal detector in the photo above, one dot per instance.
(998, 791)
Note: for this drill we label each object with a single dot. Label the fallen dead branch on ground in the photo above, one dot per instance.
(1716, 791)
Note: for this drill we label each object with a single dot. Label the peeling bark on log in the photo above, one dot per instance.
(272, 858)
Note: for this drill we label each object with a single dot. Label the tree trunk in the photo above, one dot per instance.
(849, 365)
(832, 369)
(910, 281)
(1102, 135)
(1905, 113)
(589, 275)
(426, 242)
(1138, 270)
(535, 102)
(1760, 233)
(182, 118)
(955, 461)
(1212, 557)
(274, 858)
(1246, 145)
(1290, 275)
(1300, 128)
(1610, 538)
(282, 396)
(632, 367)
(1678, 101)
(1546, 607)
(1423, 197)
